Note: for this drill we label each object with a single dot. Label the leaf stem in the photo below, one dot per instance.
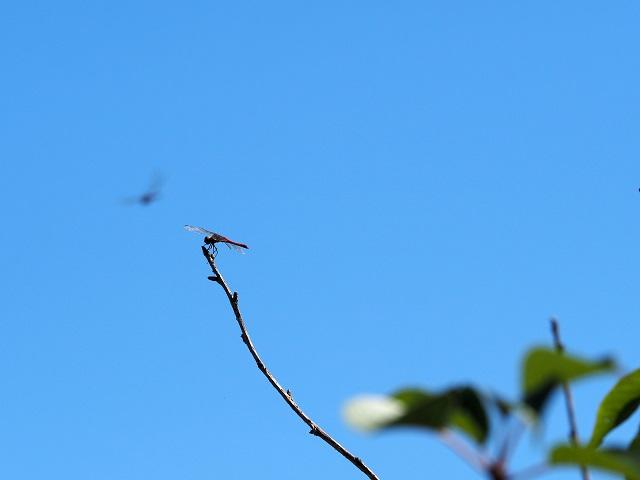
(571, 414)
(456, 445)
(511, 438)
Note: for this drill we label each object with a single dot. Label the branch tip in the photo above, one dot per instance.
(286, 394)
(555, 331)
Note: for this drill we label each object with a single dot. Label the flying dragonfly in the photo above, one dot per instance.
(150, 196)
(211, 238)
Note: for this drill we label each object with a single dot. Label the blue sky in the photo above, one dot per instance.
(422, 184)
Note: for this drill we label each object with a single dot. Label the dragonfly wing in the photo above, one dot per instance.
(205, 232)
(235, 247)
(156, 182)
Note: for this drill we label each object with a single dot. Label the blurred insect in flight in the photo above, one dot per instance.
(150, 196)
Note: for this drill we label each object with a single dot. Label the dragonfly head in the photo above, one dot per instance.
(208, 240)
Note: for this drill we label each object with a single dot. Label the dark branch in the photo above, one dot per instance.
(571, 414)
(285, 394)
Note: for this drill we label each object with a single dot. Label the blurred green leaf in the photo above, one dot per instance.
(461, 408)
(470, 415)
(618, 405)
(423, 409)
(544, 369)
(634, 448)
(611, 460)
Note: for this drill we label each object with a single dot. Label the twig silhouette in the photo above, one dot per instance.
(285, 394)
(571, 414)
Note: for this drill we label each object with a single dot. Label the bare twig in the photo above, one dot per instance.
(571, 414)
(285, 394)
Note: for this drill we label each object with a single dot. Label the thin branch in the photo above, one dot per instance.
(455, 444)
(571, 414)
(285, 394)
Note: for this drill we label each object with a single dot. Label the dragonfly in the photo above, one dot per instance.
(211, 238)
(150, 196)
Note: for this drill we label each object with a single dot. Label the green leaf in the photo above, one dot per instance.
(611, 460)
(544, 369)
(423, 409)
(618, 405)
(634, 448)
(461, 408)
(470, 415)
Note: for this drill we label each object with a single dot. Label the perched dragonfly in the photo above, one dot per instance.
(211, 238)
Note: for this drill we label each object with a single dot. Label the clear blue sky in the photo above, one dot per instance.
(422, 184)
